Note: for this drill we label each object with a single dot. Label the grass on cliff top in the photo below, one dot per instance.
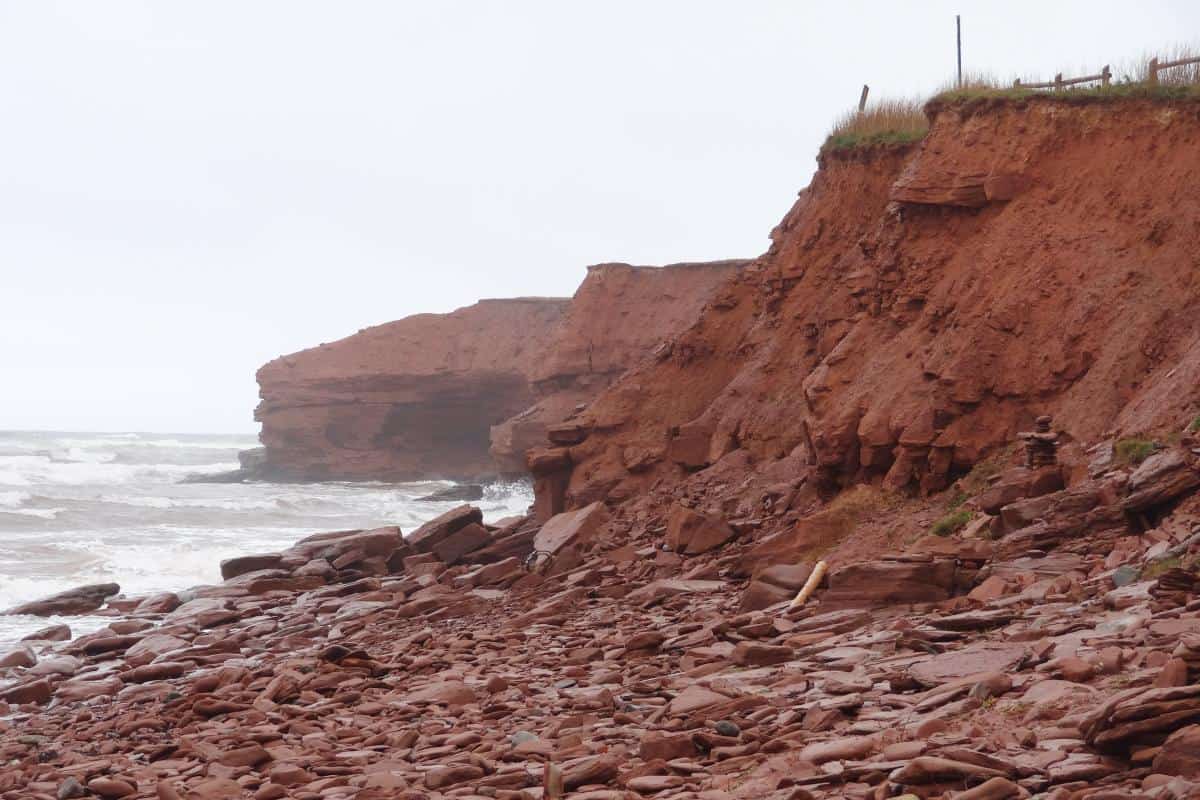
(889, 122)
(905, 121)
(1128, 82)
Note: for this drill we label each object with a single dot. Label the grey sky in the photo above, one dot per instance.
(190, 189)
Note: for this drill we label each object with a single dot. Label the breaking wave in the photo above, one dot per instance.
(79, 508)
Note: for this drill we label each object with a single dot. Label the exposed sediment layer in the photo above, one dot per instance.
(919, 305)
(407, 400)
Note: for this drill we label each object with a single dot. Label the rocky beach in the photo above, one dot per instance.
(581, 658)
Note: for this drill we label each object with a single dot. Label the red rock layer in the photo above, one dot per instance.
(896, 332)
(618, 316)
(409, 399)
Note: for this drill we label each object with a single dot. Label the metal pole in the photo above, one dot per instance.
(958, 26)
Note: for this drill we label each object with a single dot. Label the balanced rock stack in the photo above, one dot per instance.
(1041, 444)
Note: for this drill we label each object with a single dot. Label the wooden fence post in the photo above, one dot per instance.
(862, 101)
(1105, 76)
(1152, 72)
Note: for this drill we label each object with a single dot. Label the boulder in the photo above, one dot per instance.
(462, 542)
(1161, 478)
(432, 533)
(692, 533)
(38, 691)
(1017, 484)
(233, 567)
(54, 633)
(571, 528)
(690, 445)
(73, 601)
(21, 657)
(161, 603)
(379, 542)
(884, 582)
(1180, 754)
(776, 584)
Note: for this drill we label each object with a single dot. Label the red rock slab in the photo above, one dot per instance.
(971, 660)
(38, 691)
(690, 532)
(451, 693)
(424, 538)
(233, 567)
(73, 601)
(571, 527)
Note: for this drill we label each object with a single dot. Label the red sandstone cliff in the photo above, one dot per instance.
(405, 400)
(418, 398)
(918, 306)
(617, 318)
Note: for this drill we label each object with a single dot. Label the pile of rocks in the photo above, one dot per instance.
(368, 665)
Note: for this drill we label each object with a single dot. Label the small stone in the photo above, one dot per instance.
(1125, 575)
(440, 777)
(70, 788)
(111, 787)
(754, 654)
(727, 728)
(248, 756)
(21, 657)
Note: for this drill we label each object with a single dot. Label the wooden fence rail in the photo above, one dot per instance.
(1105, 76)
(1152, 71)
(1058, 84)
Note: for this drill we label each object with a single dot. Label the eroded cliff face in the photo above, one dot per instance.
(919, 306)
(406, 400)
(618, 317)
(427, 396)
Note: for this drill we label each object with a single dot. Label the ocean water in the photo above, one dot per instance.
(78, 508)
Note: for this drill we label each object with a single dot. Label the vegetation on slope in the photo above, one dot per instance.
(890, 122)
(904, 121)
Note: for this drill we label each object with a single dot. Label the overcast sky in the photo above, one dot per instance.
(188, 190)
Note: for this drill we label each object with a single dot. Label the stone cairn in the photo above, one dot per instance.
(1041, 444)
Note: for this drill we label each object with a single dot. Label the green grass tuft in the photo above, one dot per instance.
(1133, 451)
(951, 523)
(1194, 427)
(1156, 568)
(888, 122)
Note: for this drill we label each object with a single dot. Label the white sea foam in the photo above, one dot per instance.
(42, 513)
(153, 501)
(35, 469)
(77, 508)
(14, 499)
